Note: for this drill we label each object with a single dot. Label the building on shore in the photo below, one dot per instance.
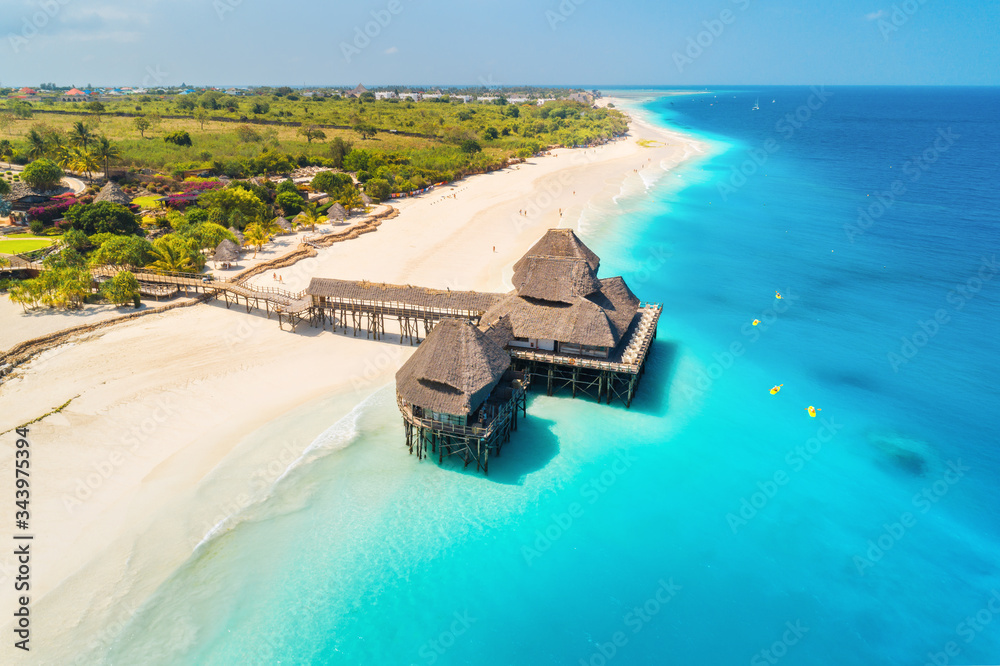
(561, 327)
(458, 395)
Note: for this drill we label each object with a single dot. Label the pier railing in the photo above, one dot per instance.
(453, 429)
(653, 309)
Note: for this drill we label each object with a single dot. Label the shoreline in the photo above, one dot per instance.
(183, 395)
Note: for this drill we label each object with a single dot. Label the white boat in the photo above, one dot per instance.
(756, 105)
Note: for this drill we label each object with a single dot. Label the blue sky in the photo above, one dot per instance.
(494, 42)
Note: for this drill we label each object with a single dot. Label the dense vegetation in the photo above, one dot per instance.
(419, 142)
(375, 147)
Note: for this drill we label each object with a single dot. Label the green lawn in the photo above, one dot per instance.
(23, 245)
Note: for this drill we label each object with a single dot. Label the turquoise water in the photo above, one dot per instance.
(713, 523)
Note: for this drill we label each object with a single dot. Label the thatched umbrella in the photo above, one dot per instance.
(365, 199)
(283, 224)
(336, 212)
(111, 192)
(227, 252)
(239, 237)
(453, 370)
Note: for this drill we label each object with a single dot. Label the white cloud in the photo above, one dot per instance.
(391, 50)
(875, 15)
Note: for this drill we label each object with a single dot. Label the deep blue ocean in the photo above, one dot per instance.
(714, 522)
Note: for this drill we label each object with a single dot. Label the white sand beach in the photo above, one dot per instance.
(147, 457)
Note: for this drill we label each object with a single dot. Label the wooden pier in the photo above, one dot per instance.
(602, 379)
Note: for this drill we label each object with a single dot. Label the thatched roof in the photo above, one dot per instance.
(561, 243)
(111, 192)
(454, 369)
(470, 301)
(227, 251)
(365, 199)
(20, 190)
(500, 331)
(236, 232)
(601, 319)
(555, 279)
(283, 224)
(336, 212)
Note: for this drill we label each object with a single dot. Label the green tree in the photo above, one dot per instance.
(103, 217)
(290, 202)
(42, 174)
(106, 151)
(310, 216)
(287, 185)
(6, 151)
(175, 255)
(222, 204)
(142, 123)
(179, 138)
(470, 146)
(351, 199)
(82, 160)
(37, 146)
(121, 289)
(4, 189)
(247, 134)
(209, 235)
(118, 250)
(366, 130)
(378, 189)
(256, 236)
(75, 239)
(80, 134)
(96, 108)
(201, 115)
(312, 132)
(338, 151)
(260, 108)
(331, 182)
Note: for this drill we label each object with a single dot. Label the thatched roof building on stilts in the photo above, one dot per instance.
(458, 395)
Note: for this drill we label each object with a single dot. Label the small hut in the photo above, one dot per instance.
(458, 395)
(366, 200)
(336, 213)
(239, 237)
(227, 252)
(284, 225)
(112, 193)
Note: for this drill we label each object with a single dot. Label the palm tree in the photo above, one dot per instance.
(310, 216)
(80, 134)
(6, 151)
(58, 151)
(171, 257)
(351, 199)
(255, 235)
(270, 227)
(107, 151)
(81, 159)
(37, 146)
